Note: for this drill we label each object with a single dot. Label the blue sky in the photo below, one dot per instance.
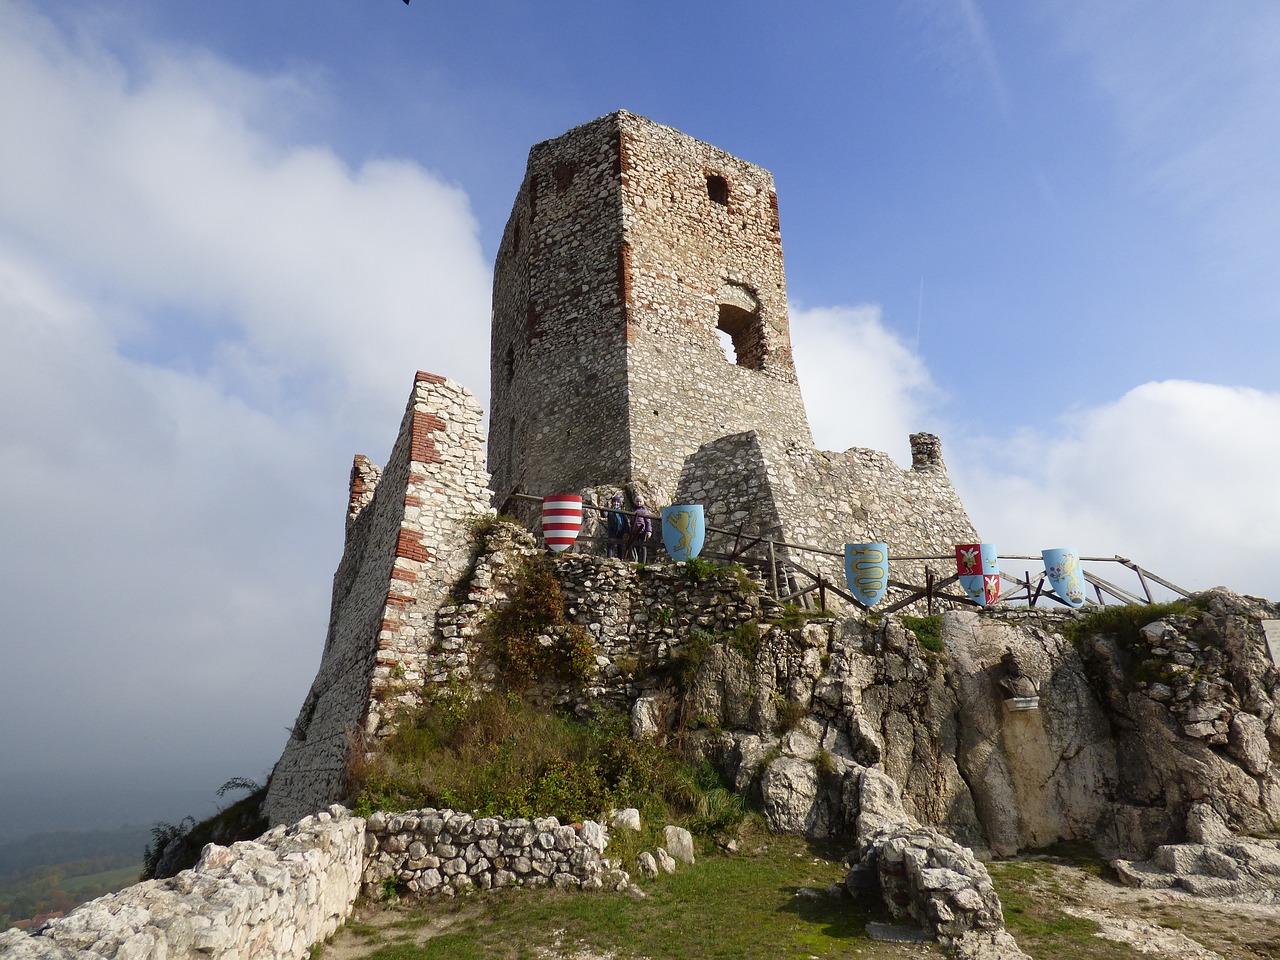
(229, 233)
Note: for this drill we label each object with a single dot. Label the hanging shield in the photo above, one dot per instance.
(684, 530)
(1065, 574)
(866, 570)
(978, 569)
(561, 521)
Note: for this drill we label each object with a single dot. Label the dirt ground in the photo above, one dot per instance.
(1164, 923)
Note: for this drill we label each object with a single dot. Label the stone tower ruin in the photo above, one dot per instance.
(629, 247)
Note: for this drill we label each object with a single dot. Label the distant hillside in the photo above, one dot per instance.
(58, 871)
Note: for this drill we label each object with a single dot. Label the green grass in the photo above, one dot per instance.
(501, 756)
(724, 908)
(928, 631)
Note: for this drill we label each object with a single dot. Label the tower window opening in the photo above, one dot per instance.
(741, 336)
(718, 189)
(509, 363)
(564, 176)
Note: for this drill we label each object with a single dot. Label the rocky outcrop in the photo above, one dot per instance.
(1036, 776)
(923, 875)
(1192, 703)
(1212, 863)
(1131, 727)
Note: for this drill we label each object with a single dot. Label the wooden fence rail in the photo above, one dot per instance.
(783, 575)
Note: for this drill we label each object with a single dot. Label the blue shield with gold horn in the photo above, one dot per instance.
(1065, 574)
(866, 570)
(684, 530)
(978, 570)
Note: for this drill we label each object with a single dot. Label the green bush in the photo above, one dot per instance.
(928, 631)
(500, 756)
(1124, 621)
(746, 640)
(514, 630)
(685, 664)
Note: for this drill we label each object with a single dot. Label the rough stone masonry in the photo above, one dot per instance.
(630, 249)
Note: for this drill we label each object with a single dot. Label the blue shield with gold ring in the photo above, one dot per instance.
(684, 530)
(866, 570)
(1065, 574)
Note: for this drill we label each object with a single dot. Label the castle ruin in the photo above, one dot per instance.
(630, 249)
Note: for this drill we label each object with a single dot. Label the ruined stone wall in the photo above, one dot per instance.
(631, 250)
(629, 245)
(407, 543)
(704, 253)
(426, 852)
(826, 500)
(558, 366)
(638, 619)
(269, 899)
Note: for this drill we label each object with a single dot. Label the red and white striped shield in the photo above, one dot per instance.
(561, 521)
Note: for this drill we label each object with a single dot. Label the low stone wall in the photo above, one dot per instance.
(268, 899)
(274, 897)
(444, 852)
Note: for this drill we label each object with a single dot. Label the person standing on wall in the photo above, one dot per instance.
(641, 530)
(616, 528)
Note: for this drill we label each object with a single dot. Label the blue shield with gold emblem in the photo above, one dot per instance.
(866, 570)
(1065, 574)
(978, 570)
(684, 530)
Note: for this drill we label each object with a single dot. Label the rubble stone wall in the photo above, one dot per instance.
(426, 852)
(781, 490)
(407, 543)
(269, 899)
(274, 897)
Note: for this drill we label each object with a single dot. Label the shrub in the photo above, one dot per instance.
(746, 640)
(176, 847)
(928, 631)
(516, 629)
(685, 664)
(500, 756)
(788, 712)
(697, 569)
(792, 616)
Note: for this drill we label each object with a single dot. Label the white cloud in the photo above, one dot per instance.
(156, 184)
(1178, 476)
(202, 320)
(862, 386)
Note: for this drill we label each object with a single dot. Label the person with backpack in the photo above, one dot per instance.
(616, 526)
(641, 530)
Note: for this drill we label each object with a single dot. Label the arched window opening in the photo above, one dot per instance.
(510, 363)
(745, 334)
(718, 189)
